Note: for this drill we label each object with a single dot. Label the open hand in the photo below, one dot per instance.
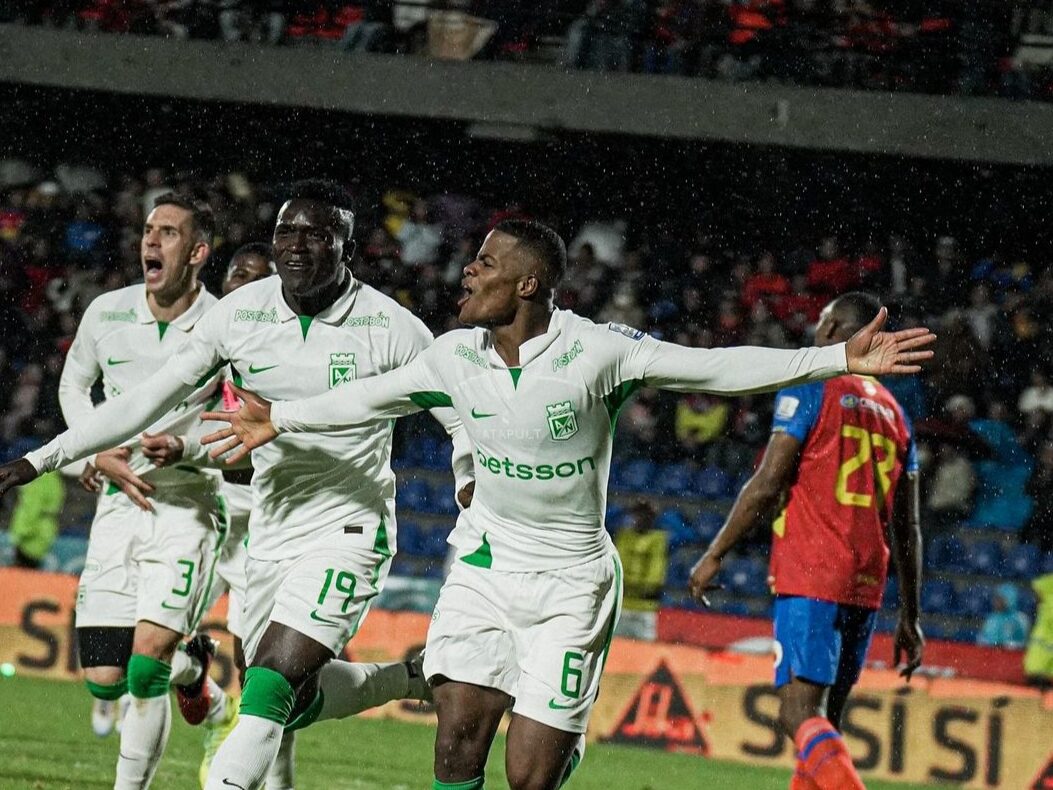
(250, 427)
(873, 352)
(909, 643)
(114, 465)
(701, 580)
(16, 473)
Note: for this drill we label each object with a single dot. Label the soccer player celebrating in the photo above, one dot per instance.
(526, 616)
(842, 462)
(322, 527)
(153, 539)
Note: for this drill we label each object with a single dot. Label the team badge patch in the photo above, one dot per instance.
(341, 369)
(562, 421)
(628, 331)
(849, 401)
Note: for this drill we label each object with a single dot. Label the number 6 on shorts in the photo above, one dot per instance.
(571, 686)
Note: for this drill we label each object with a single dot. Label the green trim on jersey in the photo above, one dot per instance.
(201, 382)
(482, 557)
(616, 400)
(112, 489)
(515, 373)
(305, 324)
(616, 614)
(431, 400)
(162, 327)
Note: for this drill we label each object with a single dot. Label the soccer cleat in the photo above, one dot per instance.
(194, 699)
(103, 713)
(215, 734)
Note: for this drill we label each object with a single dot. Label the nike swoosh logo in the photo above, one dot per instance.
(166, 606)
(556, 706)
(254, 369)
(480, 415)
(315, 617)
(228, 783)
(112, 361)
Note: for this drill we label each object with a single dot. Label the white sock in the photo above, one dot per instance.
(283, 771)
(185, 670)
(349, 688)
(246, 755)
(144, 734)
(217, 710)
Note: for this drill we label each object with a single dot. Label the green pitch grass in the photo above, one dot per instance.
(46, 743)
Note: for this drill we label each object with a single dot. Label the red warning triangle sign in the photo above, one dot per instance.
(1044, 781)
(660, 716)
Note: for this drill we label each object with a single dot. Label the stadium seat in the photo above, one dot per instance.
(708, 524)
(948, 553)
(413, 495)
(433, 542)
(1022, 561)
(1047, 562)
(615, 517)
(636, 475)
(966, 633)
(409, 538)
(974, 600)
(985, 558)
(937, 597)
(676, 479)
(712, 483)
(890, 600)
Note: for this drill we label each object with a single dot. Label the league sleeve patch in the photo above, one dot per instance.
(786, 407)
(628, 331)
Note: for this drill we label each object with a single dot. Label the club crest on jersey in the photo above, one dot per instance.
(562, 421)
(623, 329)
(341, 369)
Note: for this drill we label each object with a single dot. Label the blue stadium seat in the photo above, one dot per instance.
(676, 479)
(413, 494)
(947, 552)
(887, 621)
(1047, 562)
(985, 558)
(937, 597)
(708, 524)
(615, 518)
(1022, 561)
(679, 570)
(966, 633)
(409, 538)
(433, 542)
(936, 630)
(636, 475)
(890, 600)
(974, 599)
(713, 483)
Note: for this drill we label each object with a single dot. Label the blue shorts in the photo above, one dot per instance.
(820, 641)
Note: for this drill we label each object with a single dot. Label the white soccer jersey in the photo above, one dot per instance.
(306, 487)
(542, 432)
(120, 340)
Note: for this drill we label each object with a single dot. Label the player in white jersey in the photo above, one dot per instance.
(322, 528)
(525, 617)
(154, 537)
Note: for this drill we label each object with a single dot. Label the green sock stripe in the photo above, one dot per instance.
(267, 695)
(108, 692)
(471, 784)
(148, 677)
(309, 716)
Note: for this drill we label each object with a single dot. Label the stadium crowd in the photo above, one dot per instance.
(986, 428)
(984, 47)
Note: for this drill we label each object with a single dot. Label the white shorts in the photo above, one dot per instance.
(230, 570)
(323, 593)
(150, 566)
(541, 637)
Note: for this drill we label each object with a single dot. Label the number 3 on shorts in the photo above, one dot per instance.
(571, 686)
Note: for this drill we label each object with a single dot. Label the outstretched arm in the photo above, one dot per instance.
(394, 394)
(749, 369)
(755, 504)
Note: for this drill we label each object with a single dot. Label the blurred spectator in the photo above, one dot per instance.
(1039, 395)
(950, 491)
(374, 31)
(643, 549)
(1039, 528)
(419, 238)
(603, 38)
(34, 520)
(1006, 626)
(831, 273)
(1038, 659)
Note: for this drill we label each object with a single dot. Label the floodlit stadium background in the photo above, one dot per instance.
(749, 168)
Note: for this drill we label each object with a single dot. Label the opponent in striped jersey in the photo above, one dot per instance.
(843, 460)
(527, 612)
